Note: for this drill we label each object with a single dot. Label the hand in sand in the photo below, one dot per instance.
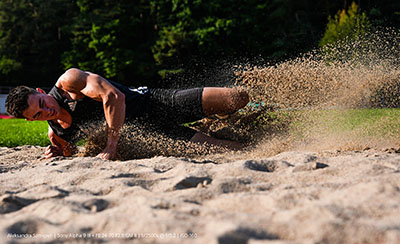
(53, 151)
(108, 153)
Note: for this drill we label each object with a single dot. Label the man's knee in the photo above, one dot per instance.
(223, 100)
(239, 97)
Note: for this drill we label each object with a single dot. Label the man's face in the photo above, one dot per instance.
(41, 107)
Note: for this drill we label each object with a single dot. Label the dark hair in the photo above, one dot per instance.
(17, 100)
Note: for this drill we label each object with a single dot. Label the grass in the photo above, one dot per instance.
(366, 123)
(17, 132)
(372, 122)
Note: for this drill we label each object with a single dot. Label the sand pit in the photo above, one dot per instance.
(293, 197)
(301, 184)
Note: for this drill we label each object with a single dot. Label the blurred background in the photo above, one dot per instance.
(137, 42)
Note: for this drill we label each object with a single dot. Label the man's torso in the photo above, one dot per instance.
(87, 113)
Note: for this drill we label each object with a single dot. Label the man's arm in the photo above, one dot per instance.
(79, 84)
(59, 146)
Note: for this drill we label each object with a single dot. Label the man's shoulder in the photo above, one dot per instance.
(72, 81)
(70, 76)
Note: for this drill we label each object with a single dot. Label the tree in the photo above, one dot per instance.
(211, 29)
(133, 41)
(350, 24)
(112, 38)
(32, 39)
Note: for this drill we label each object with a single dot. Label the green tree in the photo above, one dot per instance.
(228, 29)
(32, 39)
(346, 24)
(112, 37)
(133, 40)
(187, 29)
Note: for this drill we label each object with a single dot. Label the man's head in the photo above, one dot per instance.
(31, 104)
(17, 100)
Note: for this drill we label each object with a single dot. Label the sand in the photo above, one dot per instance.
(293, 197)
(313, 185)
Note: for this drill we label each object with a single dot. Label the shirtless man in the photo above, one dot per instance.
(79, 97)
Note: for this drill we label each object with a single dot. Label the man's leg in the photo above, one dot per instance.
(193, 104)
(221, 101)
(218, 100)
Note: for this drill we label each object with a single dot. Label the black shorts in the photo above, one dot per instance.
(179, 106)
(169, 109)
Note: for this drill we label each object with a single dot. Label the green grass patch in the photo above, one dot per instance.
(362, 122)
(17, 132)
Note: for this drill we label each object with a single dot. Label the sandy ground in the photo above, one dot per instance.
(293, 197)
(316, 196)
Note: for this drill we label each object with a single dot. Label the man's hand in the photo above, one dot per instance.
(60, 147)
(108, 153)
(53, 151)
(110, 150)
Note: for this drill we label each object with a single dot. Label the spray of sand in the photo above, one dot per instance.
(299, 104)
(323, 88)
(140, 140)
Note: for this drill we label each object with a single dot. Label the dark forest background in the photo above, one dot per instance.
(139, 42)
